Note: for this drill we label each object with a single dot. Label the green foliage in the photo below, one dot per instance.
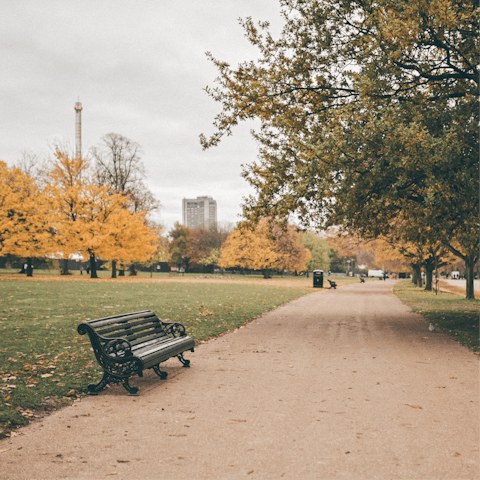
(319, 250)
(368, 111)
(179, 245)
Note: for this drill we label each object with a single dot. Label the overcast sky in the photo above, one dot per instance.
(139, 69)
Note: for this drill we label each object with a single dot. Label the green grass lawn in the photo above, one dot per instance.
(454, 314)
(43, 360)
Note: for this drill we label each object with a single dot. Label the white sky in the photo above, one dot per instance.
(139, 69)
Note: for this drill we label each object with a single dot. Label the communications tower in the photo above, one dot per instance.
(78, 130)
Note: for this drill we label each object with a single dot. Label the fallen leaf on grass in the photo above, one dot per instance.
(46, 375)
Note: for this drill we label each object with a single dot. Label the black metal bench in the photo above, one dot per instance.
(332, 284)
(126, 345)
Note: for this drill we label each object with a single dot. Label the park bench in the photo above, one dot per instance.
(126, 345)
(332, 284)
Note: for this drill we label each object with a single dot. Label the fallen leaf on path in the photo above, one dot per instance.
(453, 378)
(414, 406)
(5, 450)
(177, 435)
(458, 455)
(233, 420)
(439, 386)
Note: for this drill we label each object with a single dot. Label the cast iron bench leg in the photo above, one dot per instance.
(186, 363)
(162, 375)
(95, 388)
(132, 391)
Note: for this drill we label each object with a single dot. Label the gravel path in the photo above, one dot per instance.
(345, 383)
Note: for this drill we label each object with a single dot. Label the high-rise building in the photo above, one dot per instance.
(199, 212)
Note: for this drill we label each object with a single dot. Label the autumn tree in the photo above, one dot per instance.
(161, 246)
(201, 242)
(67, 179)
(365, 109)
(25, 217)
(264, 249)
(107, 229)
(118, 164)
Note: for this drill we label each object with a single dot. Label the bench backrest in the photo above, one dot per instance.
(137, 328)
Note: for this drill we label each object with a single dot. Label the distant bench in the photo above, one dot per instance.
(332, 284)
(126, 345)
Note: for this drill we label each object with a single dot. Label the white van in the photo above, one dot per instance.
(375, 273)
(455, 275)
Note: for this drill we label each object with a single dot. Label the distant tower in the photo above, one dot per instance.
(78, 130)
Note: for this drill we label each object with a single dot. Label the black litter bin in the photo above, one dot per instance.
(318, 279)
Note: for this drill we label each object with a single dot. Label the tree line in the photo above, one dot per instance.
(101, 208)
(369, 122)
(73, 206)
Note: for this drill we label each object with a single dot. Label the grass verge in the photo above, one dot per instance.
(44, 363)
(451, 312)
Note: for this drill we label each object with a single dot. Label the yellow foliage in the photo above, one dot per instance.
(264, 249)
(25, 215)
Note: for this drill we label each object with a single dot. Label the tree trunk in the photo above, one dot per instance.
(132, 270)
(266, 273)
(64, 269)
(429, 277)
(469, 276)
(121, 272)
(29, 267)
(417, 274)
(114, 269)
(93, 267)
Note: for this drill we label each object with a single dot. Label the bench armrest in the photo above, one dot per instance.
(113, 354)
(174, 328)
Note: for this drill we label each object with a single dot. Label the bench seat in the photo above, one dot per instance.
(126, 345)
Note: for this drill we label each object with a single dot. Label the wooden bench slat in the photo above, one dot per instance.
(131, 336)
(131, 316)
(129, 327)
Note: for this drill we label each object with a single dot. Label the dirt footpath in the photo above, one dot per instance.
(345, 383)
